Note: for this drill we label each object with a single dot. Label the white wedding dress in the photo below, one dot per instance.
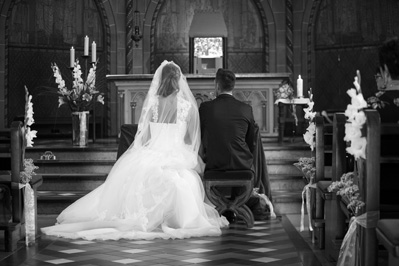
(151, 192)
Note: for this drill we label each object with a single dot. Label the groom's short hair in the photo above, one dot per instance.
(226, 79)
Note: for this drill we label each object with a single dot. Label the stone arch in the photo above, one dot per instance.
(308, 37)
(109, 25)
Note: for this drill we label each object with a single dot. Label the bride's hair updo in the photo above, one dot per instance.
(169, 80)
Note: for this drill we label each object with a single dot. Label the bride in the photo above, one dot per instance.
(153, 190)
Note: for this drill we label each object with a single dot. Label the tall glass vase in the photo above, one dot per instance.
(80, 128)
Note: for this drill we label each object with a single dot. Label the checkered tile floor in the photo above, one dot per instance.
(270, 242)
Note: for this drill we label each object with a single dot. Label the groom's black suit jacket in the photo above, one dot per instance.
(227, 134)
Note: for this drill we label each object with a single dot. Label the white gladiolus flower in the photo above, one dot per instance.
(358, 147)
(311, 130)
(82, 95)
(100, 99)
(356, 120)
(30, 134)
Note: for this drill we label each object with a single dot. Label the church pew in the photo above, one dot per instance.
(387, 227)
(369, 186)
(12, 154)
(323, 163)
(377, 180)
(335, 225)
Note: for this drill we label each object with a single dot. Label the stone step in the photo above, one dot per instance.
(76, 171)
(63, 150)
(74, 166)
(54, 202)
(89, 181)
(283, 182)
(282, 166)
(287, 202)
(272, 153)
(71, 182)
(73, 153)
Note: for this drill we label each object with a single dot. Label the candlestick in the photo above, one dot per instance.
(93, 52)
(299, 87)
(86, 46)
(72, 57)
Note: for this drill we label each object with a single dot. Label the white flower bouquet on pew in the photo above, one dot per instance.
(29, 166)
(346, 187)
(307, 167)
(28, 172)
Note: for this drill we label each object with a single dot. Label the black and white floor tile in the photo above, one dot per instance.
(272, 242)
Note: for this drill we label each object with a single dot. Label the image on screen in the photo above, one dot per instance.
(208, 47)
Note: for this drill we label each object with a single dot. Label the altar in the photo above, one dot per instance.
(255, 89)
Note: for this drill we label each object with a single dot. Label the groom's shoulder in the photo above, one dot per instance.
(206, 104)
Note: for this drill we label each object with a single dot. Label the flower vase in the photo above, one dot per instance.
(80, 128)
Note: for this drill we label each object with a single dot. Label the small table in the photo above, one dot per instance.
(282, 113)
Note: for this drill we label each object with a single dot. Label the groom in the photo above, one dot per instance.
(227, 129)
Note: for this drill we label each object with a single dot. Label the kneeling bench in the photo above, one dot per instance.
(241, 178)
(388, 235)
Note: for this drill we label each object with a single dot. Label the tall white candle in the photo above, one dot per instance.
(86, 46)
(299, 87)
(93, 52)
(72, 57)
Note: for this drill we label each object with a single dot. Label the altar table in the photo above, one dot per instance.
(255, 89)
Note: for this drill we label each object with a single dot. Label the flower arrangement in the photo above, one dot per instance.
(83, 95)
(375, 102)
(346, 187)
(29, 167)
(28, 172)
(28, 121)
(285, 90)
(307, 167)
(356, 120)
(310, 133)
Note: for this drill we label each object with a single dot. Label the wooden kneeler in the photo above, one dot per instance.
(241, 178)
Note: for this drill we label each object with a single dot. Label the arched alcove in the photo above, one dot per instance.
(248, 45)
(44, 31)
